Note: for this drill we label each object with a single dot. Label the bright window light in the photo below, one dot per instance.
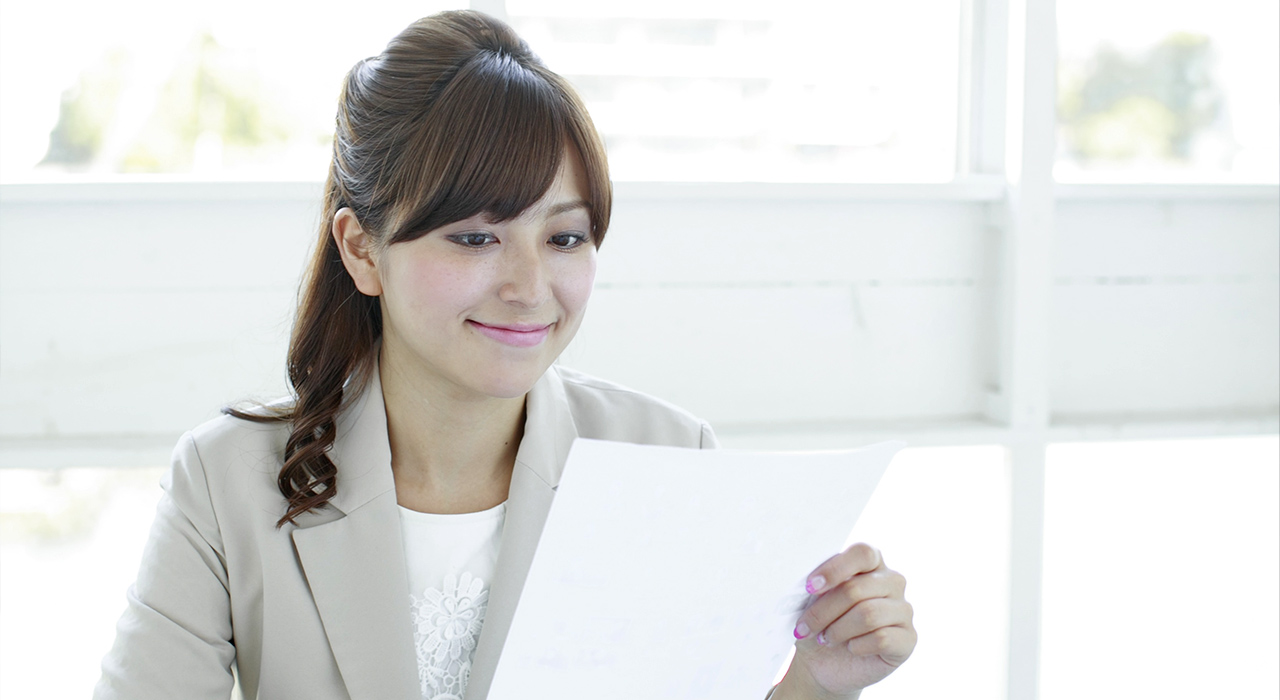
(237, 90)
(1158, 91)
(804, 90)
(71, 541)
(1162, 570)
(748, 90)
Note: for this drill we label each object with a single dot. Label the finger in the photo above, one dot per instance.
(867, 617)
(892, 644)
(881, 583)
(859, 558)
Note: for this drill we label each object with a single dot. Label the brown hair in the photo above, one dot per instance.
(456, 117)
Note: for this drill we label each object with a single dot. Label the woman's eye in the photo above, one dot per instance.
(567, 241)
(472, 240)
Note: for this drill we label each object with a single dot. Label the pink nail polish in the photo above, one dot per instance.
(815, 584)
(801, 631)
(822, 638)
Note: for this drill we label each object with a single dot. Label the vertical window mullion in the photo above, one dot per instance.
(1023, 397)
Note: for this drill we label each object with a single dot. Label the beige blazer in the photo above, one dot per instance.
(320, 610)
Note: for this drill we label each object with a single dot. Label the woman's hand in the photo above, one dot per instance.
(857, 631)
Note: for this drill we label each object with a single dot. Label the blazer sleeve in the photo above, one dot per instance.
(175, 638)
(708, 440)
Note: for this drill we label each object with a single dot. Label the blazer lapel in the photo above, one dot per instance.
(354, 560)
(548, 433)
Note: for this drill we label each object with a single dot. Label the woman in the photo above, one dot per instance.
(369, 538)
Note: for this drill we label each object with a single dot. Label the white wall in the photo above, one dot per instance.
(126, 321)
(1166, 307)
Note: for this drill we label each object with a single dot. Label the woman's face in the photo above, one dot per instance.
(482, 309)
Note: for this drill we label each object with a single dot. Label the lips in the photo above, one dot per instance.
(520, 335)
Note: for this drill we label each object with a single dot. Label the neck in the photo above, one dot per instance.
(450, 452)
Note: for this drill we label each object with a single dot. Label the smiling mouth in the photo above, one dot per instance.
(520, 335)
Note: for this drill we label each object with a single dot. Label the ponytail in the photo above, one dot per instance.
(331, 356)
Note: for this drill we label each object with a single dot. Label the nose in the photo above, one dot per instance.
(526, 282)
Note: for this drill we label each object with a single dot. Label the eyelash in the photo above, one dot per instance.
(577, 240)
(463, 239)
(466, 240)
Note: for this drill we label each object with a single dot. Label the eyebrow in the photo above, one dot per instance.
(566, 207)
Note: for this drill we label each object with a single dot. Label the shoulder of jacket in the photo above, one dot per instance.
(228, 444)
(581, 384)
(227, 469)
(607, 410)
(229, 427)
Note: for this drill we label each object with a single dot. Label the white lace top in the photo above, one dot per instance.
(451, 560)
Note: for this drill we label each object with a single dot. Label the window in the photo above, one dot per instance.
(1154, 91)
(718, 90)
(727, 90)
(235, 90)
(71, 541)
(1161, 562)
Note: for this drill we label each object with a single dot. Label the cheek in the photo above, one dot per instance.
(574, 284)
(436, 287)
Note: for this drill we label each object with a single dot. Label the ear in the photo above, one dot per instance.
(356, 248)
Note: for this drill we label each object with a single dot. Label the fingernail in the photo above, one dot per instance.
(802, 631)
(815, 584)
(822, 638)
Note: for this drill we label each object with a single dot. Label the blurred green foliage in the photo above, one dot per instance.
(211, 100)
(1146, 107)
(86, 110)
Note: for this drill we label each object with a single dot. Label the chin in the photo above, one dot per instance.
(510, 385)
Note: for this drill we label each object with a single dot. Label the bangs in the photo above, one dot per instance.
(491, 142)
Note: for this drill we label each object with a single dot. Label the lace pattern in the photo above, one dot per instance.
(446, 625)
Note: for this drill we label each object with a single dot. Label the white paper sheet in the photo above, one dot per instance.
(678, 574)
